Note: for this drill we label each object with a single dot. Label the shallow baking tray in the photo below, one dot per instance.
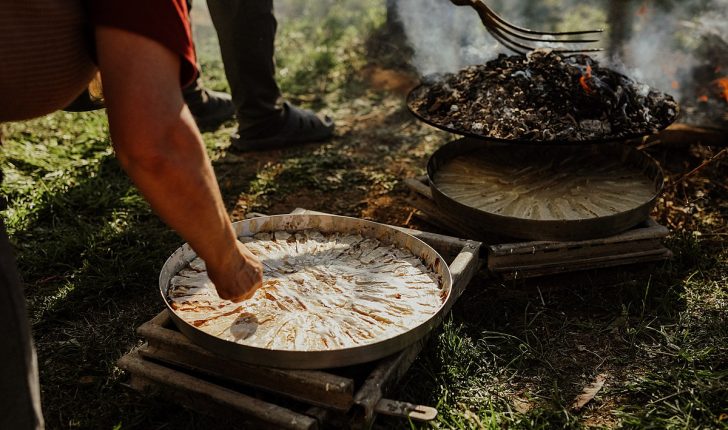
(561, 230)
(314, 359)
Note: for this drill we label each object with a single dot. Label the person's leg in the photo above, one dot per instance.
(246, 30)
(209, 108)
(19, 388)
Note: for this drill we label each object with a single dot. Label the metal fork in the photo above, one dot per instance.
(510, 35)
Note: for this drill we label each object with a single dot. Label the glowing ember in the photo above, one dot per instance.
(723, 85)
(583, 78)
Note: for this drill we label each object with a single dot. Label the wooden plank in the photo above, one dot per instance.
(464, 268)
(314, 387)
(419, 185)
(686, 134)
(433, 215)
(328, 418)
(651, 230)
(210, 398)
(536, 271)
(563, 255)
(387, 373)
(587, 261)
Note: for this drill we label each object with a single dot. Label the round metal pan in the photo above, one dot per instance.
(558, 230)
(314, 359)
(468, 133)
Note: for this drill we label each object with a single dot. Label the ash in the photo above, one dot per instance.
(543, 96)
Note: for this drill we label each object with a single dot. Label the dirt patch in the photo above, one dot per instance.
(393, 81)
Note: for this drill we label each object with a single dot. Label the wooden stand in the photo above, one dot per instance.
(278, 398)
(511, 258)
(681, 134)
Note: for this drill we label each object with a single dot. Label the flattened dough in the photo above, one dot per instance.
(320, 292)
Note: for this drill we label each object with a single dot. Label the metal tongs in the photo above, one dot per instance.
(510, 35)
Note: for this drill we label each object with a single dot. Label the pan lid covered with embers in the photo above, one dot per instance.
(542, 97)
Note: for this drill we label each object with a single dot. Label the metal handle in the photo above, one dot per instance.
(414, 412)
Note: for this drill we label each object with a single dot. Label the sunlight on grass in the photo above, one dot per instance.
(513, 354)
(318, 51)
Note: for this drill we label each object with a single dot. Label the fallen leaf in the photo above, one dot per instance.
(521, 405)
(588, 393)
(86, 380)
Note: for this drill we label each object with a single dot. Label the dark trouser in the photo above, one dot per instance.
(246, 30)
(19, 389)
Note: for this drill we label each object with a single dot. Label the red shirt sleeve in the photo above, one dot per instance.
(164, 21)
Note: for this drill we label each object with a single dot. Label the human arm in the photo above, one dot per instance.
(160, 148)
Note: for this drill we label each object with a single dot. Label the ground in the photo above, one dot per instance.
(512, 354)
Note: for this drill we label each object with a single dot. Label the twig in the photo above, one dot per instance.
(702, 166)
(649, 144)
(409, 218)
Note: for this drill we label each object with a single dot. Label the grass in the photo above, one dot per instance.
(511, 355)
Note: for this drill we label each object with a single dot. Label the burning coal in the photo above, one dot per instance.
(722, 84)
(543, 97)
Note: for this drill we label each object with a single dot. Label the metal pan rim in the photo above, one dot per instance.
(315, 359)
(545, 229)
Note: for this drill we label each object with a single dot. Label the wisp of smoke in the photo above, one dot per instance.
(660, 51)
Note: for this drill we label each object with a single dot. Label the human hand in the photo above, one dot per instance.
(239, 277)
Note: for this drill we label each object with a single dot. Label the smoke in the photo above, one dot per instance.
(663, 48)
(445, 38)
(669, 43)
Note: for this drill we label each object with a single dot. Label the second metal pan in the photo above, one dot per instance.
(539, 155)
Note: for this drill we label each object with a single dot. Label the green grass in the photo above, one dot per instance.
(661, 341)
(511, 355)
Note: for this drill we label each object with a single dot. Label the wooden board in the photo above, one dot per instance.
(167, 344)
(172, 365)
(204, 395)
(685, 134)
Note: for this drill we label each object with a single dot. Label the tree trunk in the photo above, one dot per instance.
(620, 17)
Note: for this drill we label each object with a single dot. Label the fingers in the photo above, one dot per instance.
(250, 279)
(241, 278)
